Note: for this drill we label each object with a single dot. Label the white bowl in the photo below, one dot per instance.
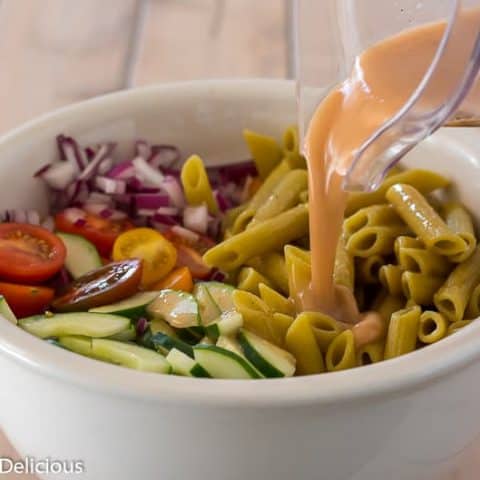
(412, 418)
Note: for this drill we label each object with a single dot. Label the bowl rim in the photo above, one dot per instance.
(402, 374)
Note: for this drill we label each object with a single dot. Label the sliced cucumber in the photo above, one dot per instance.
(133, 307)
(163, 344)
(82, 256)
(184, 365)
(127, 335)
(221, 363)
(209, 310)
(159, 325)
(77, 344)
(222, 294)
(81, 323)
(229, 323)
(229, 343)
(6, 311)
(178, 309)
(270, 360)
(206, 341)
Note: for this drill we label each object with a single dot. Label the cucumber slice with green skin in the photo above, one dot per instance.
(78, 323)
(128, 335)
(163, 343)
(159, 325)
(269, 359)
(77, 344)
(221, 363)
(52, 341)
(178, 309)
(229, 343)
(229, 323)
(133, 307)
(82, 256)
(206, 341)
(222, 294)
(6, 311)
(129, 355)
(184, 365)
(209, 310)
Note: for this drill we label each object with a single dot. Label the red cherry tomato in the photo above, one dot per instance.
(29, 253)
(25, 300)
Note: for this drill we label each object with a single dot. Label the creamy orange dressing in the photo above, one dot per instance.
(383, 79)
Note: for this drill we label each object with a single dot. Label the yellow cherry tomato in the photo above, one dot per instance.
(158, 254)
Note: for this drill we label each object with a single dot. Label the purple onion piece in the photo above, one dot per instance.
(196, 218)
(166, 219)
(222, 201)
(122, 171)
(141, 326)
(217, 276)
(42, 170)
(164, 156)
(49, 223)
(71, 152)
(92, 168)
(150, 200)
(143, 149)
(235, 172)
(90, 153)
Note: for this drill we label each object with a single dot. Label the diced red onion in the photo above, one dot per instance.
(121, 171)
(161, 227)
(222, 201)
(99, 209)
(147, 174)
(90, 153)
(59, 175)
(96, 197)
(142, 149)
(214, 226)
(151, 200)
(174, 190)
(74, 215)
(42, 170)
(141, 326)
(164, 156)
(234, 172)
(105, 166)
(117, 215)
(77, 193)
(196, 218)
(217, 276)
(170, 211)
(165, 219)
(33, 217)
(186, 233)
(92, 168)
(110, 186)
(70, 151)
(49, 223)
(146, 212)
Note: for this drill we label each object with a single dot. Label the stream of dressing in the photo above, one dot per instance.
(383, 78)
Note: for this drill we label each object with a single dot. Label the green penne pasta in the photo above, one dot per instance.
(373, 216)
(285, 195)
(249, 279)
(360, 297)
(300, 341)
(385, 305)
(196, 184)
(303, 197)
(291, 148)
(370, 353)
(324, 327)
(433, 326)
(453, 296)
(424, 181)
(231, 215)
(280, 325)
(265, 237)
(420, 288)
(458, 325)
(395, 171)
(423, 261)
(276, 301)
(412, 206)
(406, 242)
(390, 277)
(272, 266)
(265, 151)
(459, 221)
(368, 269)
(402, 332)
(373, 241)
(341, 353)
(473, 308)
(299, 271)
(344, 269)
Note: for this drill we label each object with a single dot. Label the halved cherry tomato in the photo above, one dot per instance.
(188, 257)
(158, 254)
(28, 253)
(179, 279)
(101, 232)
(25, 300)
(108, 284)
(201, 245)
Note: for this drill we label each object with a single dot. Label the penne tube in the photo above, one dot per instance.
(402, 332)
(280, 325)
(373, 216)
(406, 242)
(390, 277)
(285, 195)
(299, 272)
(420, 288)
(276, 301)
(386, 305)
(433, 327)
(291, 148)
(373, 241)
(249, 279)
(300, 341)
(423, 261)
(459, 221)
(303, 197)
(412, 206)
(265, 151)
(325, 328)
(265, 237)
(458, 325)
(341, 353)
(230, 216)
(473, 308)
(368, 269)
(196, 184)
(272, 266)
(344, 268)
(453, 296)
(424, 181)
(370, 353)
